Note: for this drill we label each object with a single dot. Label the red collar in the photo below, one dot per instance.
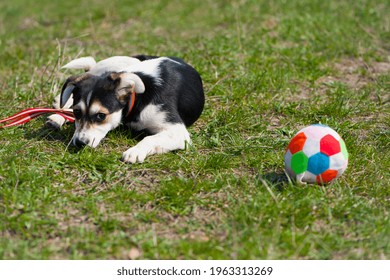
(131, 103)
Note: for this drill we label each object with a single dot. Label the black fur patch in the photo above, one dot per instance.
(180, 94)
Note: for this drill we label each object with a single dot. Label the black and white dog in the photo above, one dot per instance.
(160, 95)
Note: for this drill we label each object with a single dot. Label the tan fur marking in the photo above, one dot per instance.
(97, 107)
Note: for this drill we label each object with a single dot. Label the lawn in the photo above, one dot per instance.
(269, 69)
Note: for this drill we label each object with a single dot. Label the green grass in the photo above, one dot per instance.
(269, 69)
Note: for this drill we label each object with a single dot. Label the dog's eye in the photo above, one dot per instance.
(100, 117)
(77, 113)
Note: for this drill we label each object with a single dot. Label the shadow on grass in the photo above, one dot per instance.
(278, 180)
(65, 134)
(47, 133)
(131, 133)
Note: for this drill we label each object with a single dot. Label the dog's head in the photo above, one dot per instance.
(98, 103)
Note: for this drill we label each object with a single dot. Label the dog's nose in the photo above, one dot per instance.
(80, 143)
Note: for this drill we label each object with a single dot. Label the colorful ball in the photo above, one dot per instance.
(316, 154)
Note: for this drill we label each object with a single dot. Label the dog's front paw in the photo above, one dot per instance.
(134, 155)
(55, 121)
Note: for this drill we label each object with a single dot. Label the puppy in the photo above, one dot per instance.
(159, 95)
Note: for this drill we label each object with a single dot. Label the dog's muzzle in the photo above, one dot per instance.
(79, 142)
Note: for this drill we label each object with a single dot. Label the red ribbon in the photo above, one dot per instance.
(28, 114)
(31, 113)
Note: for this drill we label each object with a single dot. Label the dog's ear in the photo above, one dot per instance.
(85, 63)
(127, 83)
(69, 86)
(66, 92)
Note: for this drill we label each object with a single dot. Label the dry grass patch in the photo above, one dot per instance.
(355, 73)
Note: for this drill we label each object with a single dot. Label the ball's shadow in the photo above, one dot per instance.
(279, 180)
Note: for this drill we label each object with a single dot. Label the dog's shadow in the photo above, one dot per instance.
(50, 134)
(130, 133)
(65, 134)
(47, 133)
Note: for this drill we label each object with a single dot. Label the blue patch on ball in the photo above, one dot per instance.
(318, 163)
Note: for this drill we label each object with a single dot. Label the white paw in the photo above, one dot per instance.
(55, 121)
(134, 155)
(176, 138)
